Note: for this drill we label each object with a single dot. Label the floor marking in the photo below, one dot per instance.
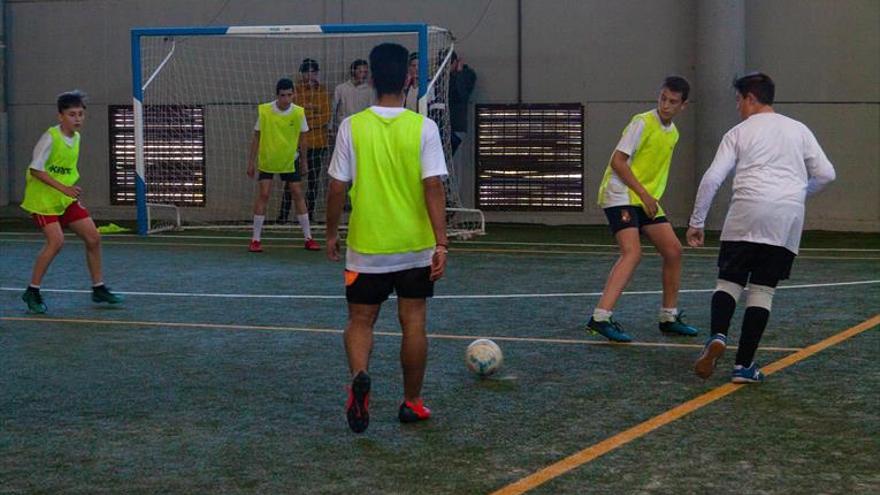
(551, 295)
(456, 248)
(455, 243)
(215, 326)
(597, 450)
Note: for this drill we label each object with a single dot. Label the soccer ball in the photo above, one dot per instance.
(483, 357)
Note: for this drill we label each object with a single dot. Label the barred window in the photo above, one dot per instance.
(174, 154)
(530, 157)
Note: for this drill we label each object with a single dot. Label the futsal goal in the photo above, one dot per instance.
(195, 96)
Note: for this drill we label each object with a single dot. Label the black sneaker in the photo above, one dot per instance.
(101, 294)
(34, 301)
(357, 406)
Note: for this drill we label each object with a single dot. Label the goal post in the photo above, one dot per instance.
(195, 95)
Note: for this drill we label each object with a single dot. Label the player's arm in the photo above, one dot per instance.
(252, 154)
(433, 170)
(44, 177)
(340, 172)
(622, 169)
(335, 203)
(819, 168)
(435, 200)
(722, 166)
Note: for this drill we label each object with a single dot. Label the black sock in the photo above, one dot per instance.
(754, 323)
(723, 305)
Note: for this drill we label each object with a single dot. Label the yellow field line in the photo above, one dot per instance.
(590, 453)
(213, 326)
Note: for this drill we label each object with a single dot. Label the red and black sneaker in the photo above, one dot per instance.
(412, 411)
(357, 407)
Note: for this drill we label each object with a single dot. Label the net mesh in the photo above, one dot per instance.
(200, 106)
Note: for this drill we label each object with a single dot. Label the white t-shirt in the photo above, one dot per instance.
(778, 162)
(616, 192)
(44, 147)
(343, 168)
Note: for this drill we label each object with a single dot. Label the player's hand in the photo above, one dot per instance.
(333, 248)
(72, 191)
(251, 170)
(650, 205)
(695, 237)
(438, 263)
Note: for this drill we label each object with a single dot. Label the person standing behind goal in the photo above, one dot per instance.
(397, 242)
(277, 144)
(777, 162)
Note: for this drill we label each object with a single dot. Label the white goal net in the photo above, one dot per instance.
(199, 91)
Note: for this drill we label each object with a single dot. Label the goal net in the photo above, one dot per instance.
(196, 92)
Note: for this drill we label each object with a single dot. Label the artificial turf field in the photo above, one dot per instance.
(224, 372)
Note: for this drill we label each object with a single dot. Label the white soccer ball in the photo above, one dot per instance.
(483, 357)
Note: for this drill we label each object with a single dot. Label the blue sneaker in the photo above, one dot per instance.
(712, 351)
(752, 374)
(610, 329)
(678, 327)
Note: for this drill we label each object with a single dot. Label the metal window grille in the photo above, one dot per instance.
(530, 157)
(174, 154)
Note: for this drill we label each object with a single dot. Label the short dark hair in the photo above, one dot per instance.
(413, 56)
(678, 84)
(308, 64)
(71, 99)
(354, 65)
(760, 85)
(282, 84)
(388, 63)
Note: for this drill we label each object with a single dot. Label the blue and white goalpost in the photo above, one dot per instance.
(195, 92)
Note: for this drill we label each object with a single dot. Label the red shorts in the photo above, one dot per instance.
(73, 213)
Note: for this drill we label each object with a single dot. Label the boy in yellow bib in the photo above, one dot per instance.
(630, 193)
(51, 197)
(393, 158)
(277, 144)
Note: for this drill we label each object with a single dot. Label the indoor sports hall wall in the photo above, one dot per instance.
(607, 54)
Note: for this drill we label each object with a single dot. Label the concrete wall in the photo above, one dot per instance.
(607, 54)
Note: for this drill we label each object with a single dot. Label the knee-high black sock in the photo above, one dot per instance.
(754, 323)
(723, 306)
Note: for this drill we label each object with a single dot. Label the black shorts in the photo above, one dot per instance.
(742, 262)
(374, 288)
(624, 217)
(286, 177)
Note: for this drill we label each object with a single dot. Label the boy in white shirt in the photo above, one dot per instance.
(777, 163)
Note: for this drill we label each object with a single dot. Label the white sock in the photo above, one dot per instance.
(601, 314)
(304, 224)
(258, 226)
(668, 314)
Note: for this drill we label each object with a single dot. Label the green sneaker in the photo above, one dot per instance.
(102, 294)
(34, 301)
(678, 327)
(609, 329)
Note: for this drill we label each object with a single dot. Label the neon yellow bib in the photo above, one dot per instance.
(651, 160)
(279, 138)
(42, 198)
(388, 200)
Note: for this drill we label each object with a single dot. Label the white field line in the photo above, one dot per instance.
(548, 295)
(455, 243)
